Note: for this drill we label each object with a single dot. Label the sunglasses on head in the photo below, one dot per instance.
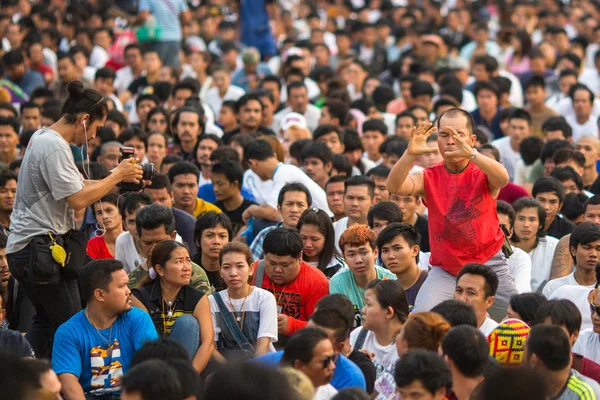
(331, 359)
(595, 309)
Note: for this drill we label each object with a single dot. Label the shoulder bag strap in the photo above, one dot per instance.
(238, 335)
(260, 273)
(360, 340)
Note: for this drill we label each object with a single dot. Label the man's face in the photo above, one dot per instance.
(107, 214)
(273, 88)
(582, 104)
(480, 73)
(332, 140)
(518, 129)
(316, 170)
(152, 63)
(321, 366)
(16, 72)
(7, 196)
(268, 109)
(379, 225)
(487, 100)
(527, 223)
(371, 141)
(535, 95)
(570, 186)
(117, 298)
(180, 97)
(213, 240)
(250, 115)
(404, 127)
(433, 158)
(586, 255)
(592, 214)
(551, 204)
(144, 108)
(298, 99)
(589, 147)
(104, 86)
(417, 391)
(139, 147)
(335, 198)
(505, 220)
(223, 187)
(110, 157)
(133, 58)
(102, 39)
(447, 142)
(188, 127)
(565, 83)
(8, 139)
(282, 269)
(292, 207)
(185, 190)
(381, 191)
(66, 70)
(151, 237)
(326, 117)
(470, 289)
(398, 255)
(31, 119)
(361, 260)
(4, 271)
(205, 149)
(160, 196)
(357, 202)
(222, 80)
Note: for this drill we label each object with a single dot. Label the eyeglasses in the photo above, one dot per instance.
(331, 359)
(595, 309)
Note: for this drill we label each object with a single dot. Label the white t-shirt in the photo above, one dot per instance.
(98, 57)
(580, 130)
(259, 188)
(508, 156)
(488, 326)
(579, 296)
(126, 252)
(519, 265)
(588, 345)
(289, 173)
(260, 317)
(541, 261)
(325, 392)
(215, 101)
(558, 282)
(339, 227)
(385, 356)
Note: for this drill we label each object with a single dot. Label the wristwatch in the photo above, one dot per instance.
(474, 154)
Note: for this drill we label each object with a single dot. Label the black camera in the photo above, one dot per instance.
(147, 172)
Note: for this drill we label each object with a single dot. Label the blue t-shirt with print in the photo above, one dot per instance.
(81, 350)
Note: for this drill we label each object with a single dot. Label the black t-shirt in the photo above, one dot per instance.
(235, 215)
(560, 227)
(594, 187)
(14, 343)
(411, 293)
(259, 132)
(138, 85)
(422, 227)
(366, 366)
(19, 310)
(214, 278)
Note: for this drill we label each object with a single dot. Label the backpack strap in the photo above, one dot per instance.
(360, 340)
(260, 273)
(232, 326)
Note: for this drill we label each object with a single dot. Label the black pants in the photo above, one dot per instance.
(54, 304)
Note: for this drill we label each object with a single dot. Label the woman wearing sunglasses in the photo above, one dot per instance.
(244, 316)
(316, 231)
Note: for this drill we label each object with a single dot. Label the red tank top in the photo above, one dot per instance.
(463, 223)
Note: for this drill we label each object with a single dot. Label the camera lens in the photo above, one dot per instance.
(147, 171)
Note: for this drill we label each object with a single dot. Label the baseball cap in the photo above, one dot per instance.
(293, 119)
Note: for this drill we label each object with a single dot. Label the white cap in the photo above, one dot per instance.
(293, 119)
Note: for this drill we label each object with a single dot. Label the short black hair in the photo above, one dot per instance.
(573, 206)
(584, 233)
(535, 82)
(380, 171)
(488, 274)
(334, 320)
(252, 381)
(528, 202)
(468, 349)
(521, 383)
(97, 274)
(339, 303)
(565, 155)
(105, 73)
(489, 62)
(133, 132)
(117, 117)
(406, 114)
(283, 242)
(580, 86)
(530, 149)
(551, 345)
(154, 216)
(360, 180)
(163, 348)
(335, 179)
(522, 114)
(386, 211)
(527, 305)
(294, 187)
(567, 173)
(259, 150)
(548, 184)
(342, 165)
(153, 380)
(558, 124)
(561, 312)
(12, 122)
(487, 85)
(502, 207)
(337, 109)
(132, 201)
(423, 366)
(232, 170)
(421, 88)
(375, 125)
(295, 85)
(325, 129)
(317, 150)
(245, 99)
(13, 57)
(209, 220)
(592, 201)
(160, 181)
(183, 168)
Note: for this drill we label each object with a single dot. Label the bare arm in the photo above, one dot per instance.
(207, 335)
(562, 262)
(496, 173)
(71, 389)
(218, 357)
(138, 304)
(264, 211)
(186, 17)
(262, 346)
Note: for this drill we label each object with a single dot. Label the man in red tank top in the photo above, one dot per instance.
(460, 194)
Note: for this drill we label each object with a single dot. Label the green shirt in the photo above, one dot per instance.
(198, 281)
(343, 282)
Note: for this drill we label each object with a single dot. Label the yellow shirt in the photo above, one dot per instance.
(204, 207)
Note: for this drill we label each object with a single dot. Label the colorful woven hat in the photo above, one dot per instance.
(507, 342)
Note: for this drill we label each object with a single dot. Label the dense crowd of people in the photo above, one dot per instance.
(332, 199)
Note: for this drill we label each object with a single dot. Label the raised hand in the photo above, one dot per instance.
(462, 148)
(418, 141)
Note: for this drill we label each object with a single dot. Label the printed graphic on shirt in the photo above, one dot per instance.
(459, 221)
(288, 303)
(357, 316)
(107, 369)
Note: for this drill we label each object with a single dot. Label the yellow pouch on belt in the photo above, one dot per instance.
(58, 252)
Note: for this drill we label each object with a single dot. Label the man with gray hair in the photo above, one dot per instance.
(110, 154)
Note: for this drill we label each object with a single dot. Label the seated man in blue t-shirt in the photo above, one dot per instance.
(93, 349)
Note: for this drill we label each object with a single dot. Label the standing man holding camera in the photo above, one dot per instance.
(50, 190)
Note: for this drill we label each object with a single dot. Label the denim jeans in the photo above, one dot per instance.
(439, 286)
(186, 331)
(54, 305)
